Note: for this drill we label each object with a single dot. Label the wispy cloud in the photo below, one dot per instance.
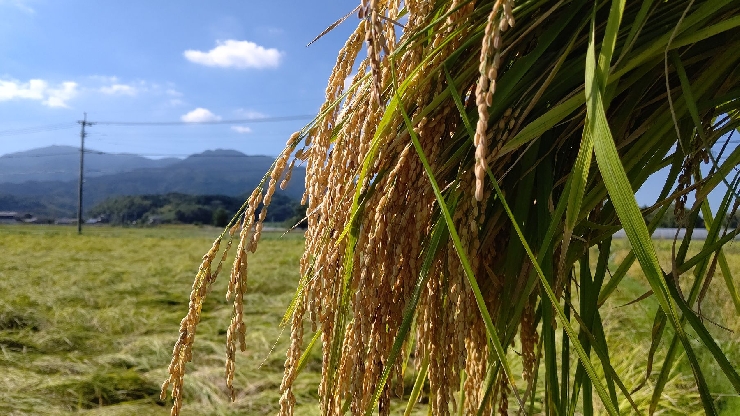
(241, 129)
(249, 114)
(38, 90)
(104, 79)
(22, 5)
(119, 89)
(173, 92)
(113, 86)
(200, 115)
(236, 54)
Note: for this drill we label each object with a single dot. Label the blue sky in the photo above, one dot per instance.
(138, 60)
(162, 61)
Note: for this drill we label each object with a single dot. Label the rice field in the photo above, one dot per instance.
(87, 325)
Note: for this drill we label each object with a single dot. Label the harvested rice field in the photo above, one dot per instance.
(87, 325)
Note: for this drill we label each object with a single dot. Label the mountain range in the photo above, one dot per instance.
(44, 181)
(62, 163)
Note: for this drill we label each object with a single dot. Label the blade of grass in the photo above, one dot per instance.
(565, 353)
(624, 266)
(708, 341)
(689, 315)
(418, 384)
(606, 400)
(589, 289)
(626, 207)
(438, 233)
(487, 388)
(304, 357)
(490, 330)
(726, 272)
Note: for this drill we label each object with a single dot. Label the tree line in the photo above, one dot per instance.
(177, 208)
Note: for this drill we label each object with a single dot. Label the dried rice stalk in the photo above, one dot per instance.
(368, 267)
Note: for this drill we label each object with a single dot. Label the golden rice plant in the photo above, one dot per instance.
(455, 205)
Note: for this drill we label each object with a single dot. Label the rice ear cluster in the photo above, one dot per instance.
(463, 95)
(249, 229)
(183, 350)
(500, 18)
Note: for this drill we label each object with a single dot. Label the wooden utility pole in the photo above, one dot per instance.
(83, 123)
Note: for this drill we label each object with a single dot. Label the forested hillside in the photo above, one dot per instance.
(185, 209)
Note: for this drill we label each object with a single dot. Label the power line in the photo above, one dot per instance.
(37, 129)
(188, 123)
(41, 155)
(195, 155)
(98, 152)
(38, 172)
(87, 171)
(64, 126)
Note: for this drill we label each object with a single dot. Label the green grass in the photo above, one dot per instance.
(87, 325)
(628, 331)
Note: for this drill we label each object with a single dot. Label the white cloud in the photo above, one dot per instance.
(39, 90)
(200, 115)
(173, 92)
(241, 129)
(104, 79)
(115, 87)
(58, 97)
(19, 4)
(236, 54)
(249, 114)
(348, 82)
(32, 90)
(119, 89)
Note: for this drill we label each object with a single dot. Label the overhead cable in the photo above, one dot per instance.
(206, 122)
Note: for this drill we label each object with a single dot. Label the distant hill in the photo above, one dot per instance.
(62, 163)
(42, 207)
(222, 172)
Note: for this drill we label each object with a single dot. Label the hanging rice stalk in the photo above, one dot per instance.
(453, 199)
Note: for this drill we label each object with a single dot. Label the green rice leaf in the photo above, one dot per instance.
(584, 359)
(626, 207)
(418, 385)
(304, 357)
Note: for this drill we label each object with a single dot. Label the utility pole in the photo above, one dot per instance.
(83, 123)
